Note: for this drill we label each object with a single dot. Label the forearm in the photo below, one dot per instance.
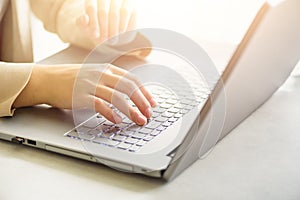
(49, 84)
(54, 85)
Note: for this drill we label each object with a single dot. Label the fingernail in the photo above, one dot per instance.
(141, 120)
(149, 112)
(153, 102)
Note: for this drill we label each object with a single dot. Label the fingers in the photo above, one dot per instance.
(103, 10)
(124, 73)
(114, 17)
(93, 24)
(118, 100)
(125, 15)
(132, 21)
(102, 108)
(129, 88)
(104, 19)
(115, 81)
(82, 23)
(113, 85)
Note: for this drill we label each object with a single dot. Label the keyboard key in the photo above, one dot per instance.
(155, 114)
(131, 140)
(177, 115)
(106, 135)
(86, 137)
(171, 101)
(106, 141)
(195, 103)
(155, 92)
(138, 135)
(103, 128)
(160, 100)
(94, 122)
(122, 125)
(161, 119)
(94, 132)
(145, 130)
(165, 95)
(184, 111)
(108, 123)
(159, 109)
(199, 100)
(186, 101)
(126, 133)
(173, 119)
(141, 143)
(153, 124)
(155, 132)
(167, 114)
(189, 107)
(123, 145)
(114, 130)
(161, 128)
(165, 105)
(178, 105)
(167, 124)
(119, 137)
(204, 96)
(174, 110)
(133, 127)
(148, 138)
(129, 136)
(134, 148)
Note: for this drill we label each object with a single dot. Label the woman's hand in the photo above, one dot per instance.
(104, 19)
(102, 84)
(88, 23)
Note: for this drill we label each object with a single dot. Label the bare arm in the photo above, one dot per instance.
(54, 85)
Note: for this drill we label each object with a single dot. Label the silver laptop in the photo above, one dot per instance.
(184, 128)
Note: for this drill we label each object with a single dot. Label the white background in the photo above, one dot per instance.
(205, 21)
(209, 20)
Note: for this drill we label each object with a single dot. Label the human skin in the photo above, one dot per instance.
(54, 85)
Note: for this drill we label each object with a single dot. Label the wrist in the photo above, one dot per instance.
(33, 93)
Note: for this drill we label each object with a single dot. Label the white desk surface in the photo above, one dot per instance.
(260, 159)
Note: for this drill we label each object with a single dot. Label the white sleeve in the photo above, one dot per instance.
(13, 78)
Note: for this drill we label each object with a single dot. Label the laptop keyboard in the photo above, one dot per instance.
(131, 137)
(174, 100)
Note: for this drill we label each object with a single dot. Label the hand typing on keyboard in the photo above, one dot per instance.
(130, 137)
(119, 88)
(95, 86)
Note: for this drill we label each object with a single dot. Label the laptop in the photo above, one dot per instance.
(178, 134)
